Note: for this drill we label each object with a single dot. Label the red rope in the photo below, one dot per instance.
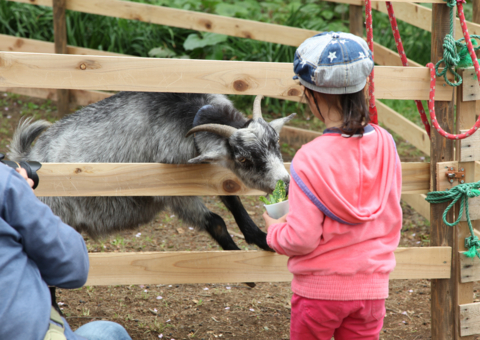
(372, 108)
(403, 56)
(431, 102)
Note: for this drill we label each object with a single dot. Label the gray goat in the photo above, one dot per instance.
(172, 128)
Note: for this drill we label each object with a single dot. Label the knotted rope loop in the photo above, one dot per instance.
(460, 192)
(451, 60)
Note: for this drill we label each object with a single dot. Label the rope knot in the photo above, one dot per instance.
(472, 243)
(451, 3)
(460, 192)
(450, 55)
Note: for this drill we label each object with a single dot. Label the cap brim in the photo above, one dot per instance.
(334, 90)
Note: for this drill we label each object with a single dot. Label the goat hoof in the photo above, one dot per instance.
(250, 284)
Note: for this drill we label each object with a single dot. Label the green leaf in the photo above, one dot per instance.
(272, 198)
(193, 41)
(264, 200)
(231, 10)
(161, 52)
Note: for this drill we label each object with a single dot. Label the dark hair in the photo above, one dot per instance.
(354, 110)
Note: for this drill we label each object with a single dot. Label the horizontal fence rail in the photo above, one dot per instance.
(78, 72)
(182, 267)
(421, 17)
(151, 179)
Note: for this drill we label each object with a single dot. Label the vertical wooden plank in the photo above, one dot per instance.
(60, 32)
(355, 17)
(464, 291)
(476, 16)
(441, 150)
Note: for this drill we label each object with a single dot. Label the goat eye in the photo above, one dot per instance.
(242, 160)
(278, 141)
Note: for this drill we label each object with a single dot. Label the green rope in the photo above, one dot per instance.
(451, 58)
(460, 192)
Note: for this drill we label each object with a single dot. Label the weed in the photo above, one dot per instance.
(85, 312)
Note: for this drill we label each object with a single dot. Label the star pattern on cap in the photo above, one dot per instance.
(332, 55)
(361, 55)
(303, 62)
(333, 42)
(343, 41)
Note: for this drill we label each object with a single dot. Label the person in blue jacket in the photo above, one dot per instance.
(37, 250)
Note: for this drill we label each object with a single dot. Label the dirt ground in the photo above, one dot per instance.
(215, 311)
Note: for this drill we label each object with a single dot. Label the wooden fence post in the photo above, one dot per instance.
(463, 291)
(443, 300)
(355, 16)
(60, 33)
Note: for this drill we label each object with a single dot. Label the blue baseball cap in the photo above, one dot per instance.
(333, 63)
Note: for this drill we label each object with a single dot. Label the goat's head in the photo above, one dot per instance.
(252, 152)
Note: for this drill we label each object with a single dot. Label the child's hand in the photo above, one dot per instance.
(269, 221)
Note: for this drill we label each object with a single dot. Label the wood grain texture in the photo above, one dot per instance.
(387, 57)
(411, 132)
(469, 319)
(421, 17)
(16, 44)
(198, 76)
(296, 137)
(151, 179)
(355, 19)
(418, 203)
(60, 34)
(470, 146)
(415, 178)
(471, 89)
(182, 267)
(223, 25)
(466, 111)
(443, 298)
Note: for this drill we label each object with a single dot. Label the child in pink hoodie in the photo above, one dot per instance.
(345, 216)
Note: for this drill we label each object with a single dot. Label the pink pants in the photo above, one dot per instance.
(344, 320)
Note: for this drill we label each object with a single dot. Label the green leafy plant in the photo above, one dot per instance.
(278, 195)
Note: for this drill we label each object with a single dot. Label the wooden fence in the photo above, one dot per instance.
(30, 67)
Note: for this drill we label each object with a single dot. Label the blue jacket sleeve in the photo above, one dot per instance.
(58, 250)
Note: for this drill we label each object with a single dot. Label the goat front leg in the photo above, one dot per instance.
(192, 210)
(252, 233)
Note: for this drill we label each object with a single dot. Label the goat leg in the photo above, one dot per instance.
(253, 234)
(217, 228)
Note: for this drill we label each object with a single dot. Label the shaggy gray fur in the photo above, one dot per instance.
(150, 127)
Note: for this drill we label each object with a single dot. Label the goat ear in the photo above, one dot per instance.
(277, 124)
(207, 158)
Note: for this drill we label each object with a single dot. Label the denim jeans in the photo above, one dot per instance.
(103, 330)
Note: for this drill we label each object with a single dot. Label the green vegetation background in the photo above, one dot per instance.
(149, 40)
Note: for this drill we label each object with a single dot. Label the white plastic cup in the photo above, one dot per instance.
(277, 210)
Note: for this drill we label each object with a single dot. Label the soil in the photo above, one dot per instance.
(216, 311)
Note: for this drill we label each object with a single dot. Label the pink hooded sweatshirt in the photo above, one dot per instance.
(345, 216)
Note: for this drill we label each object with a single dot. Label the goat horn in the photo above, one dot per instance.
(257, 109)
(219, 129)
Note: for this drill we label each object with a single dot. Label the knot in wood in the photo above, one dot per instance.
(247, 35)
(83, 67)
(206, 23)
(293, 92)
(231, 186)
(240, 85)
(78, 170)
